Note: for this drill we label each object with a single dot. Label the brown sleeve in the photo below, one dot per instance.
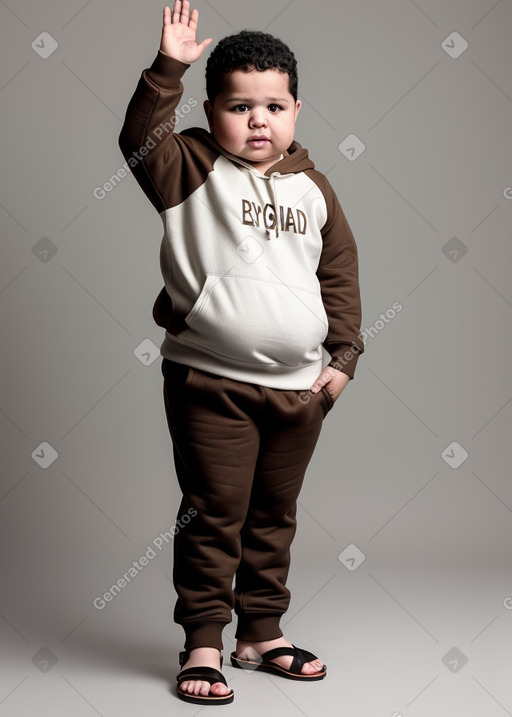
(338, 273)
(168, 166)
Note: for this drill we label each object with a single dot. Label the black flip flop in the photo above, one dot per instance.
(208, 674)
(264, 664)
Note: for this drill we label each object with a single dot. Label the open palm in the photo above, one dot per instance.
(179, 33)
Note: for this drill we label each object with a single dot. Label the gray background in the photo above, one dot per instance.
(430, 203)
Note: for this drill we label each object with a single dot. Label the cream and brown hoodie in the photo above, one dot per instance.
(260, 270)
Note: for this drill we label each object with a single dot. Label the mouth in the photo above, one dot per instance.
(258, 141)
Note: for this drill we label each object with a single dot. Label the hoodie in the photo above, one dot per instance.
(260, 270)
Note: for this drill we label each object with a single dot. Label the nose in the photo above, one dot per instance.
(257, 118)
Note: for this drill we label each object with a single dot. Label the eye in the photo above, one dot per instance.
(274, 108)
(239, 108)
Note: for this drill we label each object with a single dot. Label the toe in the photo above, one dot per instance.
(310, 667)
(201, 687)
(185, 686)
(204, 688)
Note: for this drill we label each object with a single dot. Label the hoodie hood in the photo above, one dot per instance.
(295, 159)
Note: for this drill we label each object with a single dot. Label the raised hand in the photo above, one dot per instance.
(179, 33)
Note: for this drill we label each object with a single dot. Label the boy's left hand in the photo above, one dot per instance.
(334, 380)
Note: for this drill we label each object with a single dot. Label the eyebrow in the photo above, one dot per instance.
(245, 99)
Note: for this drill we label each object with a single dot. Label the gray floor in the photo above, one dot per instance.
(407, 641)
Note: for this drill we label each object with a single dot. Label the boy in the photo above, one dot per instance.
(261, 285)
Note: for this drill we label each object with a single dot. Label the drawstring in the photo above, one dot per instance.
(273, 194)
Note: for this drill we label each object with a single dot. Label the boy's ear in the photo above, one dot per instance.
(208, 108)
(298, 105)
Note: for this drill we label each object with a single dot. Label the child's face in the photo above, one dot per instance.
(254, 105)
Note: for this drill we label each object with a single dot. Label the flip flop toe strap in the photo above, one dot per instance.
(208, 674)
(300, 657)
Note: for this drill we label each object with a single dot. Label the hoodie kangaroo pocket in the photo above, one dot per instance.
(254, 321)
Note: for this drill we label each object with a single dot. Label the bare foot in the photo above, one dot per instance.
(203, 657)
(253, 650)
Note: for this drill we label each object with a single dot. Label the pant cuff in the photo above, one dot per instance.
(203, 634)
(255, 627)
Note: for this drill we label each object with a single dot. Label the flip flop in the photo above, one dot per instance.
(264, 664)
(208, 674)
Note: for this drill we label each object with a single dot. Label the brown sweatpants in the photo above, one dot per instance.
(240, 452)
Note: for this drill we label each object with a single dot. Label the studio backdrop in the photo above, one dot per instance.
(401, 566)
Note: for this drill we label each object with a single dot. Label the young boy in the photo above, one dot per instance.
(262, 313)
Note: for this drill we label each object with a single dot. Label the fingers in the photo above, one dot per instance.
(179, 32)
(205, 43)
(177, 11)
(185, 9)
(323, 379)
(182, 11)
(193, 19)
